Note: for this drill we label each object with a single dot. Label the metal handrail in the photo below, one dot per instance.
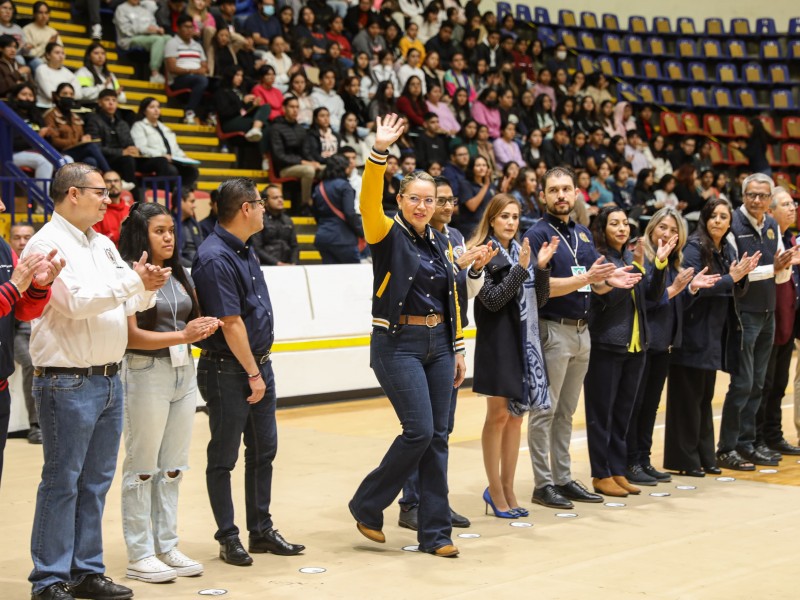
(9, 120)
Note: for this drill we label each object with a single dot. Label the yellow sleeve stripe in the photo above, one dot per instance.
(378, 158)
(376, 223)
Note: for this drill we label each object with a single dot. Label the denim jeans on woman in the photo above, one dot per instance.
(81, 422)
(415, 368)
(160, 403)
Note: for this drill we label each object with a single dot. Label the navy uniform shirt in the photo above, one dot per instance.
(575, 239)
(429, 293)
(229, 282)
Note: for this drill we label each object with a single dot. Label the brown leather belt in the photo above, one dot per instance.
(430, 321)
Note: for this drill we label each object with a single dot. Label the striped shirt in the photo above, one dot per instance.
(188, 55)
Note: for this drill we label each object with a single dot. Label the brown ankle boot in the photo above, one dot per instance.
(608, 487)
(622, 482)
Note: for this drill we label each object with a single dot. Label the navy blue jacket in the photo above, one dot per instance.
(665, 315)
(332, 230)
(760, 296)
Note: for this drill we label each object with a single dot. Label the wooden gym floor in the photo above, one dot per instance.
(730, 540)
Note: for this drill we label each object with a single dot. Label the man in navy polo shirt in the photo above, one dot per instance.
(235, 375)
(577, 270)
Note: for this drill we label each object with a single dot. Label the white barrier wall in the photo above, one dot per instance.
(322, 325)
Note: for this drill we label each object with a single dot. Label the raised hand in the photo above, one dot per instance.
(703, 280)
(49, 269)
(623, 278)
(152, 276)
(525, 254)
(387, 131)
(25, 270)
(664, 250)
(486, 255)
(546, 252)
(600, 271)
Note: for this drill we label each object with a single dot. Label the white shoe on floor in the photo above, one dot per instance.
(183, 565)
(157, 78)
(150, 570)
(189, 118)
(97, 32)
(127, 185)
(254, 135)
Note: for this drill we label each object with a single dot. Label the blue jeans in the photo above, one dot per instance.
(81, 421)
(90, 154)
(415, 368)
(738, 427)
(196, 83)
(223, 384)
(159, 414)
(410, 497)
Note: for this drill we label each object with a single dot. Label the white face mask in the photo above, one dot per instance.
(268, 10)
(561, 55)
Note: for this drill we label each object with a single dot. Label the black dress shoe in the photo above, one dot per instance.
(758, 458)
(57, 591)
(100, 587)
(785, 447)
(459, 520)
(408, 518)
(233, 553)
(773, 454)
(272, 541)
(712, 470)
(635, 474)
(693, 473)
(656, 474)
(549, 496)
(575, 490)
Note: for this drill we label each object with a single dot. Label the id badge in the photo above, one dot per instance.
(179, 355)
(581, 270)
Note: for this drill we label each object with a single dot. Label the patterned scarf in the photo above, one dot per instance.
(534, 384)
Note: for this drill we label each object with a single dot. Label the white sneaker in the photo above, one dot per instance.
(157, 78)
(254, 135)
(97, 32)
(150, 570)
(189, 118)
(127, 185)
(183, 565)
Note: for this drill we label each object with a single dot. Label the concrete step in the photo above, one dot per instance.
(194, 140)
(305, 238)
(140, 84)
(304, 221)
(191, 128)
(70, 40)
(26, 10)
(212, 156)
(310, 256)
(79, 53)
(139, 96)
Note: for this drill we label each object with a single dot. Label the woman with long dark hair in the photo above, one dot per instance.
(321, 142)
(267, 93)
(94, 76)
(468, 136)
(709, 323)
(755, 146)
(352, 102)
(411, 102)
(509, 367)
(586, 116)
(656, 154)
(383, 103)
(158, 377)
(532, 152)
(479, 181)
(349, 136)
(239, 110)
(644, 193)
(565, 113)
(665, 322)
(461, 106)
(620, 335)
(338, 224)
(526, 191)
(299, 87)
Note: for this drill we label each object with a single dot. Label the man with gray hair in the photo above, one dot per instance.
(769, 434)
(756, 234)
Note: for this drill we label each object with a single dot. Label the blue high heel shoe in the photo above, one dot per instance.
(511, 514)
(521, 512)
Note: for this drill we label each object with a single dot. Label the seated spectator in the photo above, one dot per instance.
(308, 28)
(223, 54)
(479, 190)
(455, 170)
(411, 103)
(634, 152)
(353, 103)
(433, 74)
(702, 160)
(506, 149)
(488, 49)
(117, 143)
(9, 26)
(191, 234)
(52, 73)
(485, 112)
(383, 103)
(523, 61)
(657, 158)
(526, 190)
(598, 88)
(558, 152)
(683, 154)
(622, 187)
(368, 84)
(665, 193)
(264, 24)
(565, 113)
(533, 152)
(595, 152)
(286, 142)
(457, 78)
(21, 101)
(579, 140)
(410, 40)
(606, 117)
(599, 191)
(94, 75)
(623, 118)
(207, 225)
(644, 192)
(461, 107)
(299, 88)
(279, 60)
(412, 68)
(203, 22)
(349, 135)
(431, 145)
(325, 95)
(168, 13)
(335, 34)
(137, 28)
(333, 60)
(355, 178)
(117, 211)
(154, 139)
(447, 121)
(383, 70)
(338, 224)
(644, 124)
(437, 35)
(266, 91)
(321, 141)
(616, 151)
(240, 111)
(542, 110)
(370, 40)
(359, 16)
(11, 72)
(187, 67)
(559, 60)
(38, 34)
(66, 132)
(486, 149)
(391, 186)
(276, 244)
(586, 118)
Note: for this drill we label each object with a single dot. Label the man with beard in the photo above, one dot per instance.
(117, 211)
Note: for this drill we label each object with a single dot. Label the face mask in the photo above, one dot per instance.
(561, 55)
(25, 104)
(268, 10)
(66, 103)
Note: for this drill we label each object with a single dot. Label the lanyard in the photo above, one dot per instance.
(173, 310)
(573, 251)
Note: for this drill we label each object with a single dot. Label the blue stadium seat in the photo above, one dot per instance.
(606, 65)
(612, 43)
(714, 26)
(746, 98)
(697, 97)
(740, 28)
(727, 73)
(793, 49)
(697, 72)
(781, 100)
(752, 74)
(524, 14)
(656, 46)
(586, 41)
(668, 96)
(586, 64)
(673, 70)
(540, 14)
(651, 69)
(722, 98)
(661, 26)
(626, 67)
(770, 50)
(711, 48)
(765, 26)
(610, 22)
(637, 24)
(547, 36)
(635, 45)
(794, 27)
(685, 26)
(686, 48)
(568, 38)
(779, 73)
(646, 92)
(566, 18)
(589, 20)
(737, 50)
(626, 92)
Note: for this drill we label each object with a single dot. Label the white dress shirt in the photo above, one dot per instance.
(85, 322)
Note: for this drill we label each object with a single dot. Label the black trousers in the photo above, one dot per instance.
(643, 420)
(769, 415)
(127, 166)
(609, 391)
(689, 437)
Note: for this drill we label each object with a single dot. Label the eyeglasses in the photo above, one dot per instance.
(417, 200)
(103, 191)
(757, 196)
(260, 202)
(442, 200)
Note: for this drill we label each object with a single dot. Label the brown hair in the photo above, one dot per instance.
(495, 207)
